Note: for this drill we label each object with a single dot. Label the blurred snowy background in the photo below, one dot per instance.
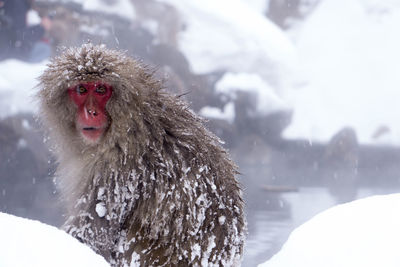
(304, 93)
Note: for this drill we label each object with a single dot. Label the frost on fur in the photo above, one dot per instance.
(158, 189)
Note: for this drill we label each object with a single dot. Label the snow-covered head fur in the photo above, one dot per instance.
(158, 189)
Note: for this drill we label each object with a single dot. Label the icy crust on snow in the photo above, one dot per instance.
(159, 180)
(30, 243)
(363, 233)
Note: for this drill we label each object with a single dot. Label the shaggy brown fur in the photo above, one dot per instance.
(158, 190)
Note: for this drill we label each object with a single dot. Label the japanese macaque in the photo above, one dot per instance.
(146, 184)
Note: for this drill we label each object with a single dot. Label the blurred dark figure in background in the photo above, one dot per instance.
(341, 161)
(17, 39)
(18, 171)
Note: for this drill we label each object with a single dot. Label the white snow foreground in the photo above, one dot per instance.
(31, 243)
(363, 233)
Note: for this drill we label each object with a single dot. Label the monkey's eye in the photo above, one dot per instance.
(80, 89)
(101, 89)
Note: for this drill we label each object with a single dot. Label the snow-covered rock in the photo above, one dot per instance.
(260, 6)
(267, 100)
(226, 114)
(349, 56)
(348, 61)
(122, 8)
(231, 35)
(17, 86)
(264, 98)
(31, 243)
(363, 233)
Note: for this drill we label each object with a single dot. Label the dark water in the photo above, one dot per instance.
(271, 225)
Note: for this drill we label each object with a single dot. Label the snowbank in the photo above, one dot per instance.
(25, 242)
(262, 94)
(17, 86)
(260, 6)
(227, 114)
(349, 64)
(361, 233)
(122, 8)
(231, 35)
(267, 100)
(349, 56)
(235, 36)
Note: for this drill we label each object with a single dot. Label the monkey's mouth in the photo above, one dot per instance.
(92, 134)
(90, 128)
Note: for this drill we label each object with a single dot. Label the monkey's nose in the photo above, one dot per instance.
(91, 106)
(92, 112)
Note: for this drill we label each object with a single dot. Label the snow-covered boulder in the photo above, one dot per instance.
(18, 80)
(263, 98)
(30, 243)
(229, 34)
(256, 59)
(349, 57)
(122, 8)
(363, 233)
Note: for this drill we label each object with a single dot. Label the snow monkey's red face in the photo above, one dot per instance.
(92, 119)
